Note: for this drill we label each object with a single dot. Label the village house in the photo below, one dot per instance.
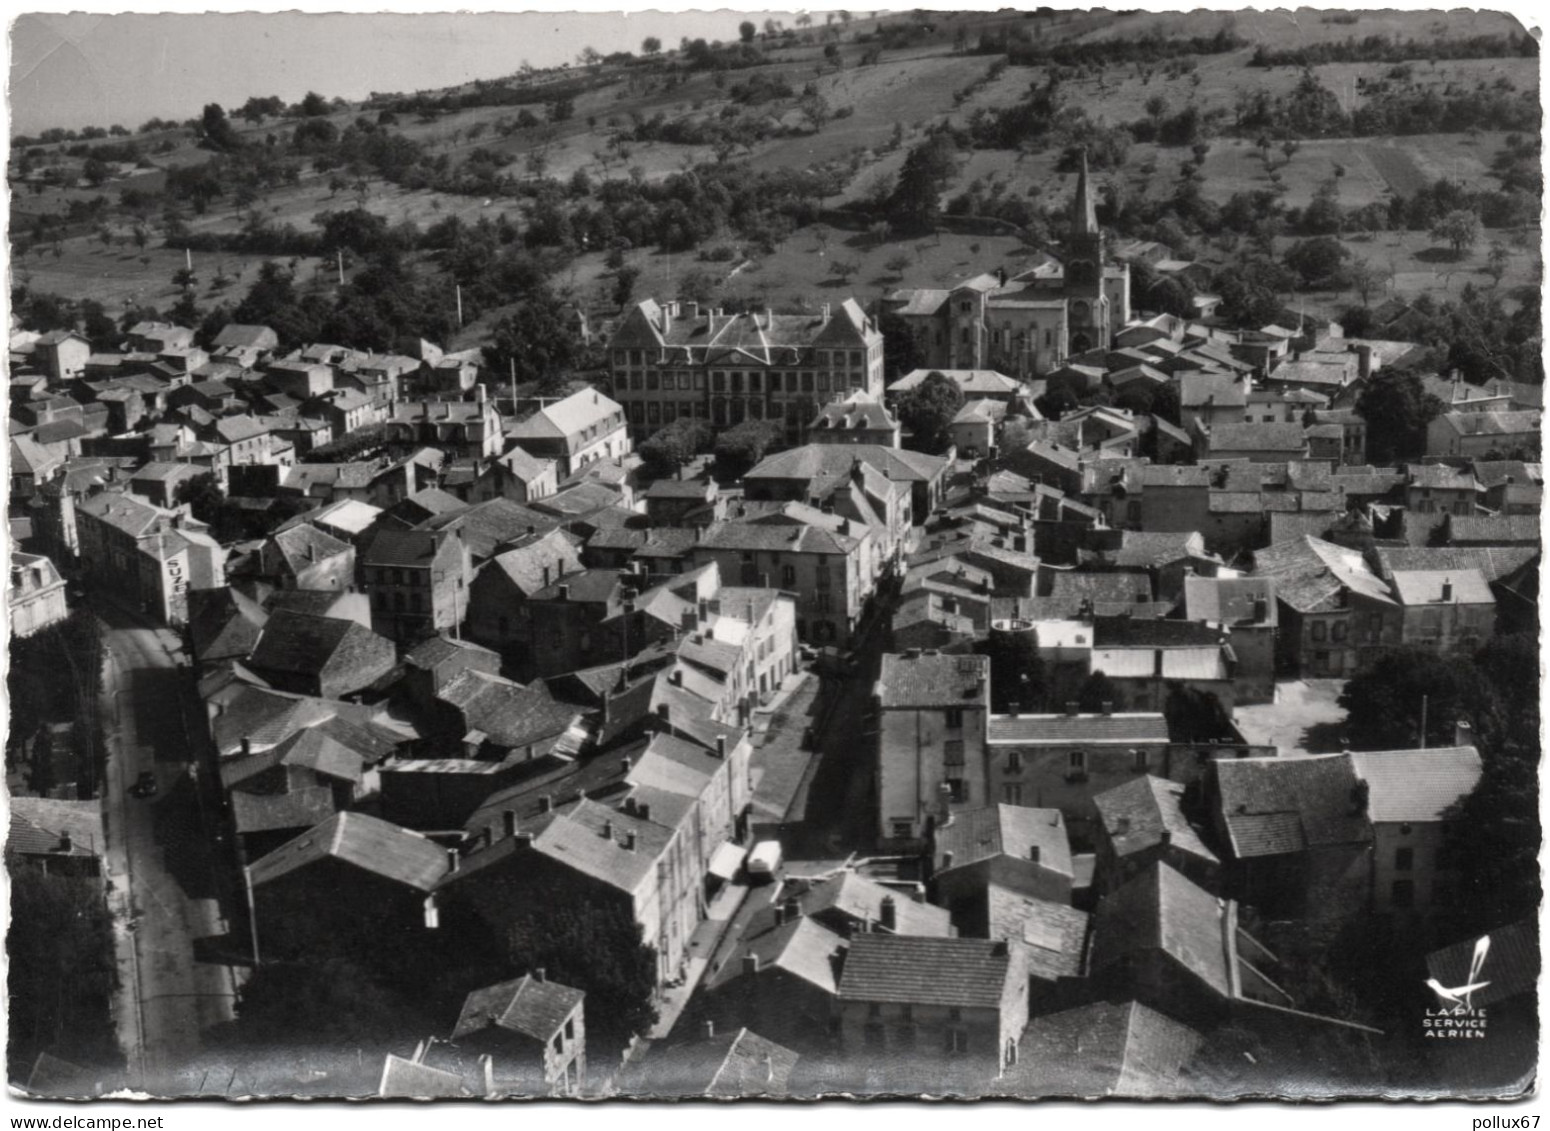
(581, 429)
(533, 1031)
(858, 419)
(417, 581)
(36, 598)
(1018, 849)
(1317, 586)
(963, 1001)
(1143, 822)
(511, 578)
(145, 555)
(323, 656)
(304, 557)
(466, 428)
(1062, 761)
(62, 354)
(931, 749)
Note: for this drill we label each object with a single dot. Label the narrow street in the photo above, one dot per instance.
(162, 865)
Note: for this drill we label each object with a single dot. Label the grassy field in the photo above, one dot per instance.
(917, 88)
(1284, 28)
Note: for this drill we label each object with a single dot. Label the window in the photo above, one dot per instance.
(788, 576)
(1012, 793)
(855, 358)
(737, 382)
(570, 1028)
(952, 753)
(718, 382)
(1320, 630)
(874, 1011)
(1402, 895)
(775, 385)
(807, 382)
(902, 830)
(825, 603)
(957, 790)
(652, 381)
(952, 718)
(1338, 630)
(1404, 859)
(1138, 760)
(1077, 760)
(1014, 761)
(559, 1044)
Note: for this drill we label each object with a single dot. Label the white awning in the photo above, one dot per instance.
(726, 861)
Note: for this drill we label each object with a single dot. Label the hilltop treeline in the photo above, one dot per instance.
(1022, 48)
(1383, 49)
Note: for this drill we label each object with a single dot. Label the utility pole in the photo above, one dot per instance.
(459, 305)
(1423, 722)
(340, 260)
(188, 260)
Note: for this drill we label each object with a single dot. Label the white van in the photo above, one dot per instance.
(764, 861)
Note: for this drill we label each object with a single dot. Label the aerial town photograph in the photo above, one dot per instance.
(784, 555)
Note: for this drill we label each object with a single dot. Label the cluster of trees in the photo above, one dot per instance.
(672, 446)
(56, 674)
(1024, 50)
(1384, 49)
(927, 410)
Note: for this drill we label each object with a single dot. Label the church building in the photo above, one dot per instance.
(1027, 324)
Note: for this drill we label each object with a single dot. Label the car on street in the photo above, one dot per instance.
(145, 784)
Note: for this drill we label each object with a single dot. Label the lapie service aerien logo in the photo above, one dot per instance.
(1456, 1016)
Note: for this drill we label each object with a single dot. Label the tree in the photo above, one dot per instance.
(651, 45)
(1320, 262)
(927, 410)
(743, 445)
(747, 30)
(1397, 410)
(313, 105)
(1017, 678)
(901, 352)
(1460, 229)
(536, 341)
(215, 130)
(329, 1004)
(1496, 262)
(1384, 701)
(1365, 278)
(915, 204)
(669, 448)
(624, 284)
(1097, 691)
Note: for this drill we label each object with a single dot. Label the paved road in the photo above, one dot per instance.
(162, 864)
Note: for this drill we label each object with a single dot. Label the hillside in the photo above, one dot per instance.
(781, 153)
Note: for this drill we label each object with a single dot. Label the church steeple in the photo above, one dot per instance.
(1084, 218)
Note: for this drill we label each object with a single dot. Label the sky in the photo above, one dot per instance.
(74, 70)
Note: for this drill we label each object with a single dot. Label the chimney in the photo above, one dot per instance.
(1071, 708)
(1463, 733)
(479, 393)
(1108, 706)
(509, 821)
(546, 568)
(676, 678)
(486, 837)
(65, 843)
(624, 766)
(750, 964)
(545, 804)
(453, 860)
(1165, 838)
(710, 1029)
(1014, 708)
(565, 592)
(1261, 610)
(1447, 590)
(1034, 852)
(607, 831)
(540, 974)
(629, 842)
(1157, 664)
(721, 747)
(247, 746)
(888, 914)
(947, 860)
(780, 914)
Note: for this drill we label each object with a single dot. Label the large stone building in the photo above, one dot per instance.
(1028, 324)
(671, 360)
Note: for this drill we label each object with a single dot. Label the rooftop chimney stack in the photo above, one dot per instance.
(509, 822)
(888, 914)
(607, 832)
(540, 974)
(1072, 708)
(453, 860)
(1447, 590)
(1108, 706)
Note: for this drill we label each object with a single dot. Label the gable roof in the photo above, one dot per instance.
(1160, 910)
(368, 843)
(1416, 785)
(1121, 1049)
(933, 680)
(1003, 830)
(576, 413)
(527, 1005)
(1441, 586)
(1137, 815)
(737, 1065)
(1278, 805)
(915, 970)
(1120, 727)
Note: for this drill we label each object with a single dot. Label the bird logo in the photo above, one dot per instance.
(1462, 997)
